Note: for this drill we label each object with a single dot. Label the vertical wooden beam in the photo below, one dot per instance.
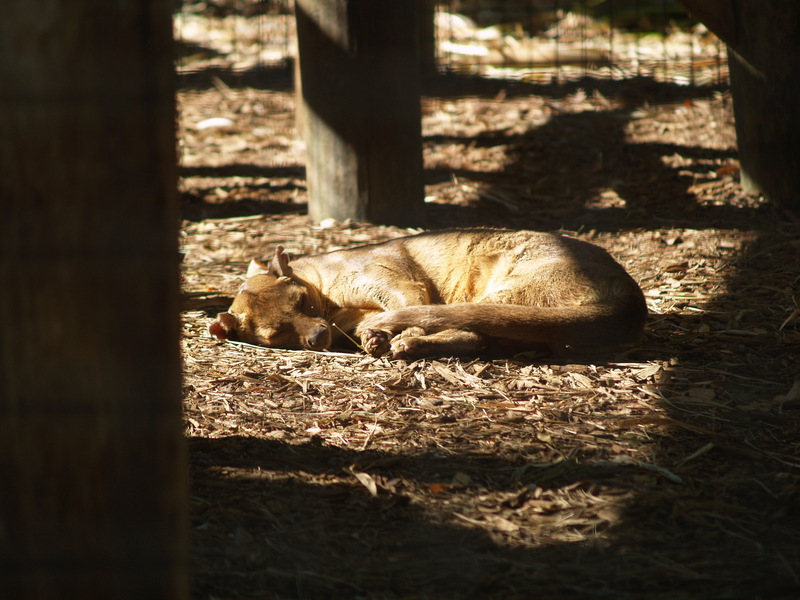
(91, 453)
(717, 15)
(764, 55)
(427, 36)
(360, 81)
(764, 63)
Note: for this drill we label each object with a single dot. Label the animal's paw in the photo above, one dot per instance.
(376, 341)
(379, 342)
(405, 344)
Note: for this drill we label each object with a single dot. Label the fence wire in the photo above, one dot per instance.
(529, 40)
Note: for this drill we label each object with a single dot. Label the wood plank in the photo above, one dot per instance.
(764, 55)
(717, 15)
(92, 467)
(765, 85)
(360, 81)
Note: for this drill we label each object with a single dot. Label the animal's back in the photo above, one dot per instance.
(517, 267)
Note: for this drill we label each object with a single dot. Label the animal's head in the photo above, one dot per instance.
(274, 309)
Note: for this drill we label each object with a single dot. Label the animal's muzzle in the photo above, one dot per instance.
(318, 338)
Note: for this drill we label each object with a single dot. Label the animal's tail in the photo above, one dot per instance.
(583, 328)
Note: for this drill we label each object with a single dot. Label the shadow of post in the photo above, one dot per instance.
(262, 531)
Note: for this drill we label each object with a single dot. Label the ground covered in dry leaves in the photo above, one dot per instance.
(672, 471)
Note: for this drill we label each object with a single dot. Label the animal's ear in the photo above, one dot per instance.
(224, 326)
(257, 267)
(280, 263)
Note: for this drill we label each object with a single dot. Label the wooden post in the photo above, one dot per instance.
(92, 465)
(360, 81)
(765, 85)
(717, 15)
(764, 54)
(427, 36)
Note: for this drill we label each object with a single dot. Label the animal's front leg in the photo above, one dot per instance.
(450, 342)
(378, 331)
(379, 342)
(413, 342)
(416, 331)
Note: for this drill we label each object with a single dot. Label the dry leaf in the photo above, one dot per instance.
(792, 395)
(461, 479)
(678, 268)
(446, 373)
(582, 380)
(502, 524)
(368, 482)
(647, 372)
(438, 488)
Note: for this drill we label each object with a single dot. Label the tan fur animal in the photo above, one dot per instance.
(442, 293)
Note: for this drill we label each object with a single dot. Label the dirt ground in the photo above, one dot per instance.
(672, 471)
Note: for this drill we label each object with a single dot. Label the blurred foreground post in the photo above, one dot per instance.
(92, 475)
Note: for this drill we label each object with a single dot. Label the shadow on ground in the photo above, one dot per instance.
(283, 543)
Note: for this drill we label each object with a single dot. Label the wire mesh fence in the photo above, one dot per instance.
(558, 40)
(236, 61)
(529, 40)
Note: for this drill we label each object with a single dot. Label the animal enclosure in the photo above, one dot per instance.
(671, 471)
(532, 40)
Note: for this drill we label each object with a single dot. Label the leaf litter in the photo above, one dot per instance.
(671, 471)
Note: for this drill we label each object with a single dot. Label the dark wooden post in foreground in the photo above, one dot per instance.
(92, 472)
(426, 32)
(763, 38)
(360, 80)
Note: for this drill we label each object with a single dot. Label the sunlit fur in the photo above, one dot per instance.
(451, 292)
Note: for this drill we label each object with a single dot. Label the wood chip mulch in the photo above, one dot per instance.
(672, 471)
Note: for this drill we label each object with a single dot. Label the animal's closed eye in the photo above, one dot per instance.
(272, 335)
(278, 330)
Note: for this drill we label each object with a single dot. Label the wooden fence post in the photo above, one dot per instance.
(360, 79)
(92, 461)
(764, 55)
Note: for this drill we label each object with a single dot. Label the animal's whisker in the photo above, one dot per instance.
(349, 337)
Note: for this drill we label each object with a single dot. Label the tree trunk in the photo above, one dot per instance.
(360, 106)
(764, 54)
(91, 455)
